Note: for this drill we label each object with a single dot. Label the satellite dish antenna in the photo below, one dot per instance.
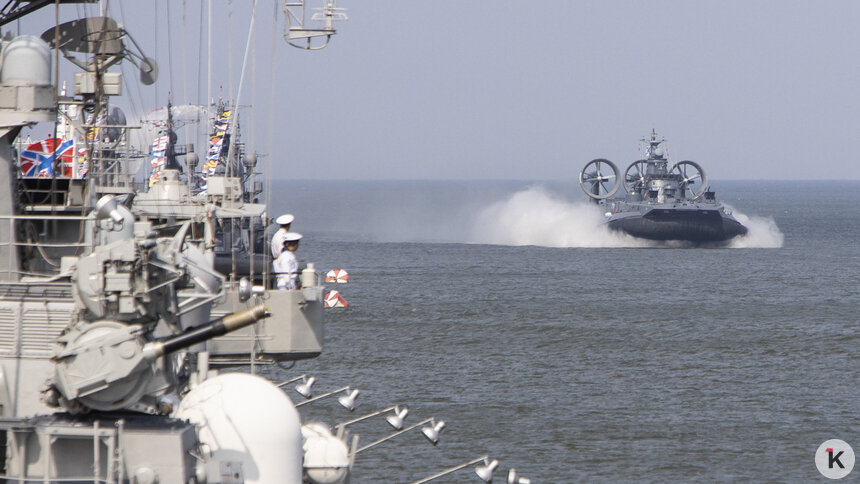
(148, 71)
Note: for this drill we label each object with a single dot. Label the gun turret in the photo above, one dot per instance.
(211, 329)
(109, 365)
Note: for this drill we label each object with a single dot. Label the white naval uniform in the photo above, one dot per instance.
(278, 242)
(286, 267)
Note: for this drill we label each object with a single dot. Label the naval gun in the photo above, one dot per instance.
(140, 297)
(110, 365)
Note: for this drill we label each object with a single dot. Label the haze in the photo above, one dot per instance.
(525, 90)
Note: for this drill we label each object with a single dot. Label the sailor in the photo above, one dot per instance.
(278, 239)
(286, 267)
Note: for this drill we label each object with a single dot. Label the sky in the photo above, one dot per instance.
(458, 90)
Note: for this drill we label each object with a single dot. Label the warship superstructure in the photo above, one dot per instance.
(103, 314)
(114, 304)
(661, 202)
(224, 191)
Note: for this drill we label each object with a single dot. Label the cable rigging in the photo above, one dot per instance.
(169, 50)
(271, 128)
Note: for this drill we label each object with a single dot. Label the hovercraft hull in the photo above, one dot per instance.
(699, 226)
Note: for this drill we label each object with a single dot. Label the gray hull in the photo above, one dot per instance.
(699, 226)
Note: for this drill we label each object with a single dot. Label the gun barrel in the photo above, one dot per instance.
(210, 330)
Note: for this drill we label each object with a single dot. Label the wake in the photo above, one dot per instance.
(763, 233)
(535, 216)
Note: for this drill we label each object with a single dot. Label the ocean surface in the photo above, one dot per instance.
(577, 355)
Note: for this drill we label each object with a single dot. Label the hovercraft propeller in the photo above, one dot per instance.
(594, 177)
(634, 176)
(690, 172)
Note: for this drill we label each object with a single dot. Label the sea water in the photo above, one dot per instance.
(576, 354)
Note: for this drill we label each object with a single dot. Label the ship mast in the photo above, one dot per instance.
(656, 155)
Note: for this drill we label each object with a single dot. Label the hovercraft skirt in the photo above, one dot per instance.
(672, 224)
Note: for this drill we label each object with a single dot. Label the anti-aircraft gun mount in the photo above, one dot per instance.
(124, 320)
(130, 290)
(113, 366)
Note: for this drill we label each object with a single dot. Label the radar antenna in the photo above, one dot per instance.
(102, 37)
(301, 37)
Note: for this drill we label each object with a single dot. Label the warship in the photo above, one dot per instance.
(661, 203)
(117, 303)
(224, 190)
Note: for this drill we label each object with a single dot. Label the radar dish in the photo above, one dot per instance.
(634, 176)
(691, 173)
(93, 35)
(596, 175)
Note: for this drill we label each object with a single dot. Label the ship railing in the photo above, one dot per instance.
(272, 281)
(10, 247)
(112, 179)
(109, 160)
(110, 168)
(104, 442)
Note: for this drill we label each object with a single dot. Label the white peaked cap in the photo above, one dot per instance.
(285, 219)
(292, 237)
